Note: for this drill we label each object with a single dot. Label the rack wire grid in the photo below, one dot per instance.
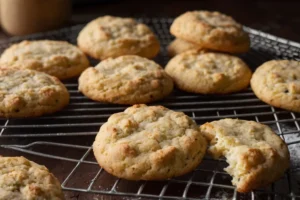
(62, 141)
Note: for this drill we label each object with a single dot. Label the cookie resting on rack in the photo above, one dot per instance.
(178, 46)
(255, 154)
(211, 30)
(149, 143)
(208, 72)
(277, 83)
(110, 36)
(125, 80)
(21, 179)
(29, 93)
(57, 58)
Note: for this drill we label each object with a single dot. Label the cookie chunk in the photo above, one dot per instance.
(211, 30)
(178, 46)
(125, 80)
(277, 83)
(21, 179)
(110, 36)
(255, 154)
(208, 73)
(29, 93)
(149, 143)
(57, 58)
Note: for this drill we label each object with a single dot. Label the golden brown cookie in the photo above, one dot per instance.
(211, 30)
(208, 73)
(149, 143)
(110, 36)
(277, 83)
(178, 46)
(125, 80)
(255, 154)
(29, 93)
(21, 179)
(57, 58)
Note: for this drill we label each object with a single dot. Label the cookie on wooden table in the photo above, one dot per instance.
(255, 154)
(178, 46)
(208, 72)
(211, 30)
(149, 143)
(29, 93)
(57, 58)
(21, 179)
(125, 80)
(277, 83)
(110, 36)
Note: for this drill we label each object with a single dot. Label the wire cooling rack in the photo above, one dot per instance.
(63, 141)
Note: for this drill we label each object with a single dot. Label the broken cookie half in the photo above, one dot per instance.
(255, 154)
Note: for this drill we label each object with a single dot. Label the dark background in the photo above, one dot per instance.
(280, 18)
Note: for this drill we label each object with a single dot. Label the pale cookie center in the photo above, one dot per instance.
(217, 20)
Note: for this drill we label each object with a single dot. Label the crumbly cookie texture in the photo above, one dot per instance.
(178, 46)
(21, 179)
(211, 30)
(277, 83)
(149, 143)
(125, 80)
(57, 58)
(29, 93)
(110, 36)
(208, 73)
(255, 154)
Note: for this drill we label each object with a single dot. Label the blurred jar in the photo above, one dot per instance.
(20, 17)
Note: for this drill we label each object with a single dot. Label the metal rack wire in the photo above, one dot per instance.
(65, 138)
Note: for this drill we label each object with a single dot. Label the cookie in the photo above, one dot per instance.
(277, 83)
(110, 36)
(21, 179)
(178, 46)
(255, 154)
(29, 93)
(57, 58)
(208, 73)
(149, 143)
(211, 30)
(125, 80)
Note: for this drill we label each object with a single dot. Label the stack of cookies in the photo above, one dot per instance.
(207, 30)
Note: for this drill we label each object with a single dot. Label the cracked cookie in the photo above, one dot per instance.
(208, 73)
(211, 30)
(149, 143)
(125, 80)
(277, 83)
(29, 93)
(255, 154)
(21, 179)
(57, 58)
(110, 36)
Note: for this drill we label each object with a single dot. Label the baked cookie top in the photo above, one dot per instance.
(29, 93)
(57, 58)
(149, 143)
(21, 179)
(110, 36)
(211, 30)
(125, 80)
(277, 82)
(178, 46)
(208, 73)
(256, 155)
